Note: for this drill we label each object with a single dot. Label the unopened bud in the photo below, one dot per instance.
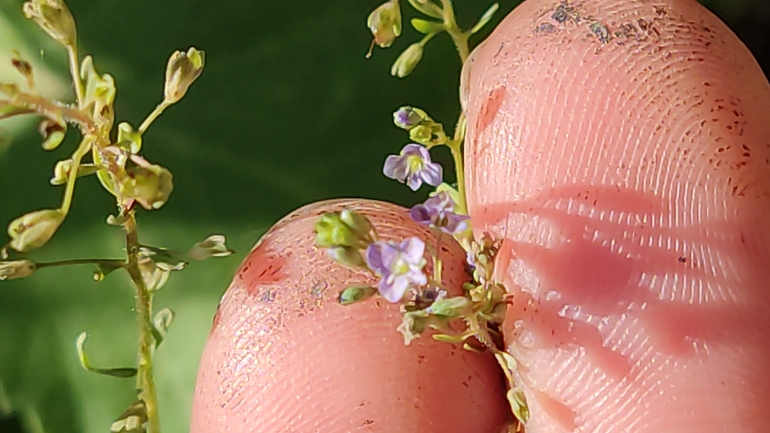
(347, 256)
(385, 23)
(182, 70)
(342, 229)
(212, 246)
(34, 229)
(450, 307)
(407, 61)
(150, 185)
(54, 17)
(409, 117)
(351, 295)
(16, 269)
(53, 133)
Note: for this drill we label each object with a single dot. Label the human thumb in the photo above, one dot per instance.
(621, 148)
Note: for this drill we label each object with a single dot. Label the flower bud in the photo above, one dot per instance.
(342, 229)
(450, 307)
(385, 23)
(409, 117)
(34, 229)
(54, 17)
(407, 61)
(212, 246)
(182, 70)
(128, 138)
(150, 185)
(351, 295)
(347, 256)
(53, 133)
(99, 94)
(15, 269)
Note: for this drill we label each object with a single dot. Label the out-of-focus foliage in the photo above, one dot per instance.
(287, 112)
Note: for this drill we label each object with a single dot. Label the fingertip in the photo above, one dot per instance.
(284, 354)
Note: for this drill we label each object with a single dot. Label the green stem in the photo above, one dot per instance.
(145, 379)
(106, 262)
(460, 40)
(82, 150)
(459, 37)
(74, 60)
(154, 115)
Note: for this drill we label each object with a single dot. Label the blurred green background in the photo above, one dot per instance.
(287, 112)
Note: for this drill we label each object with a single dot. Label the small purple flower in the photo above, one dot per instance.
(413, 167)
(399, 266)
(438, 211)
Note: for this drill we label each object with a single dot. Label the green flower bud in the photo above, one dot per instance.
(351, 295)
(99, 94)
(450, 307)
(53, 17)
(128, 138)
(182, 70)
(332, 231)
(150, 185)
(15, 269)
(34, 229)
(407, 61)
(357, 222)
(347, 256)
(385, 23)
(53, 132)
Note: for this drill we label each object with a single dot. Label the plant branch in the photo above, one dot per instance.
(73, 262)
(54, 110)
(74, 60)
(145, 379)
(154, 115)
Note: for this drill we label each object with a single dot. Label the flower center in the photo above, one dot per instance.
(414, 162)
(400, 267)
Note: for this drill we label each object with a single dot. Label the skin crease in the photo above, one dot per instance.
(621, 149)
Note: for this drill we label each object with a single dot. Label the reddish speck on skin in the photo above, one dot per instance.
(263, 267)
(490, 108)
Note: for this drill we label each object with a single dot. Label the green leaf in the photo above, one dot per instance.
(426, 26)
(485, 18)
(428, 7)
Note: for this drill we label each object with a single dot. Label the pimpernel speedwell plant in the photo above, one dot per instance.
(400, 267)
(112, 153)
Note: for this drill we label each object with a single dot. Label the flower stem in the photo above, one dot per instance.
(154, 115)
(145, 380)
(74, 60)
(106, 262)
(460, 39)
(85, 147)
